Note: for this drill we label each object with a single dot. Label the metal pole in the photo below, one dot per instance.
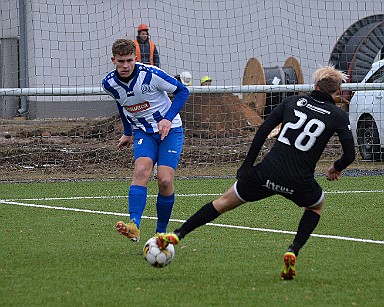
(23, 56)
(88, 91)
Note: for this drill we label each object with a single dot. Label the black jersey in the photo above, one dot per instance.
(308, 122)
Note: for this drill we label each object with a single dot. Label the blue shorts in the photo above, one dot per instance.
(166, 152)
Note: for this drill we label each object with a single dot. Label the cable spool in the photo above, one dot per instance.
(290, 73)
(255, 74)
(357, 48)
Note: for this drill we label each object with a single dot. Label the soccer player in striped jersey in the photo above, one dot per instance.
(308, 122)
(153, 125)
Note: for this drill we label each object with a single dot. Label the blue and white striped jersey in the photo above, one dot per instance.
(143, 101)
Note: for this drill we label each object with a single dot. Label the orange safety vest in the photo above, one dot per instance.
(151, 51)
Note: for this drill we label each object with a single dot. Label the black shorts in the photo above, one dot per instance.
(260, 184)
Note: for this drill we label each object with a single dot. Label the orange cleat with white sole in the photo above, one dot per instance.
(164, 239)
(129, 230)
(288, 271)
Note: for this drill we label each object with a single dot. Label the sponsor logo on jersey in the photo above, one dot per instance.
(138, 107)
(277, 187)
(317, 109)
(303, 102)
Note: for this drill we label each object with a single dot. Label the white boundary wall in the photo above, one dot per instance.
(69, 42)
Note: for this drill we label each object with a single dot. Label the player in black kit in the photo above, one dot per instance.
(307, 124)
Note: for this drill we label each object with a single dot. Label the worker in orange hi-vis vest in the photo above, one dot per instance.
(146, 51)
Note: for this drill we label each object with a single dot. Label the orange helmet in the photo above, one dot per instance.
(142, 27)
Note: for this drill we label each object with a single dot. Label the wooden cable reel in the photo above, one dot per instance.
(255, 74)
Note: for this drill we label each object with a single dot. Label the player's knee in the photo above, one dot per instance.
(142, 172)
(165, 183)
(317, 208)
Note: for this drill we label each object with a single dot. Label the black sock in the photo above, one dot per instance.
(204, 215)
(307, 225)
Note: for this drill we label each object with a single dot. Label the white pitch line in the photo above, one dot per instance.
(354, 192)
(182, 221)
(155, 195)
(99, 197)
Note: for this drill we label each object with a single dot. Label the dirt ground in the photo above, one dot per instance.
(218, 131)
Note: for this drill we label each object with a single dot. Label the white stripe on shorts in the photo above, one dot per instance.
(237, 194)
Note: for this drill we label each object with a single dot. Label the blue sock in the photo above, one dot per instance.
(137, 199)
(164, 207)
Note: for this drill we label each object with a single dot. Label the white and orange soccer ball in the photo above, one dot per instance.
(157, 257)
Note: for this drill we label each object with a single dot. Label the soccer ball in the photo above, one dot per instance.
(157, 257)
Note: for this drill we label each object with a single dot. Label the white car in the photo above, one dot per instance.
(366, 114)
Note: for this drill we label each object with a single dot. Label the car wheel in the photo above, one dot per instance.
(368, 140)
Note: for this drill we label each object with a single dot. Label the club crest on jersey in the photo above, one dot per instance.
(145, 88)
(302, 102)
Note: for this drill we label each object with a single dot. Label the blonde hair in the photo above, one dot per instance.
(329, 79)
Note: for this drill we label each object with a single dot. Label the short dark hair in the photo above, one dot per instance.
(123, 46)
